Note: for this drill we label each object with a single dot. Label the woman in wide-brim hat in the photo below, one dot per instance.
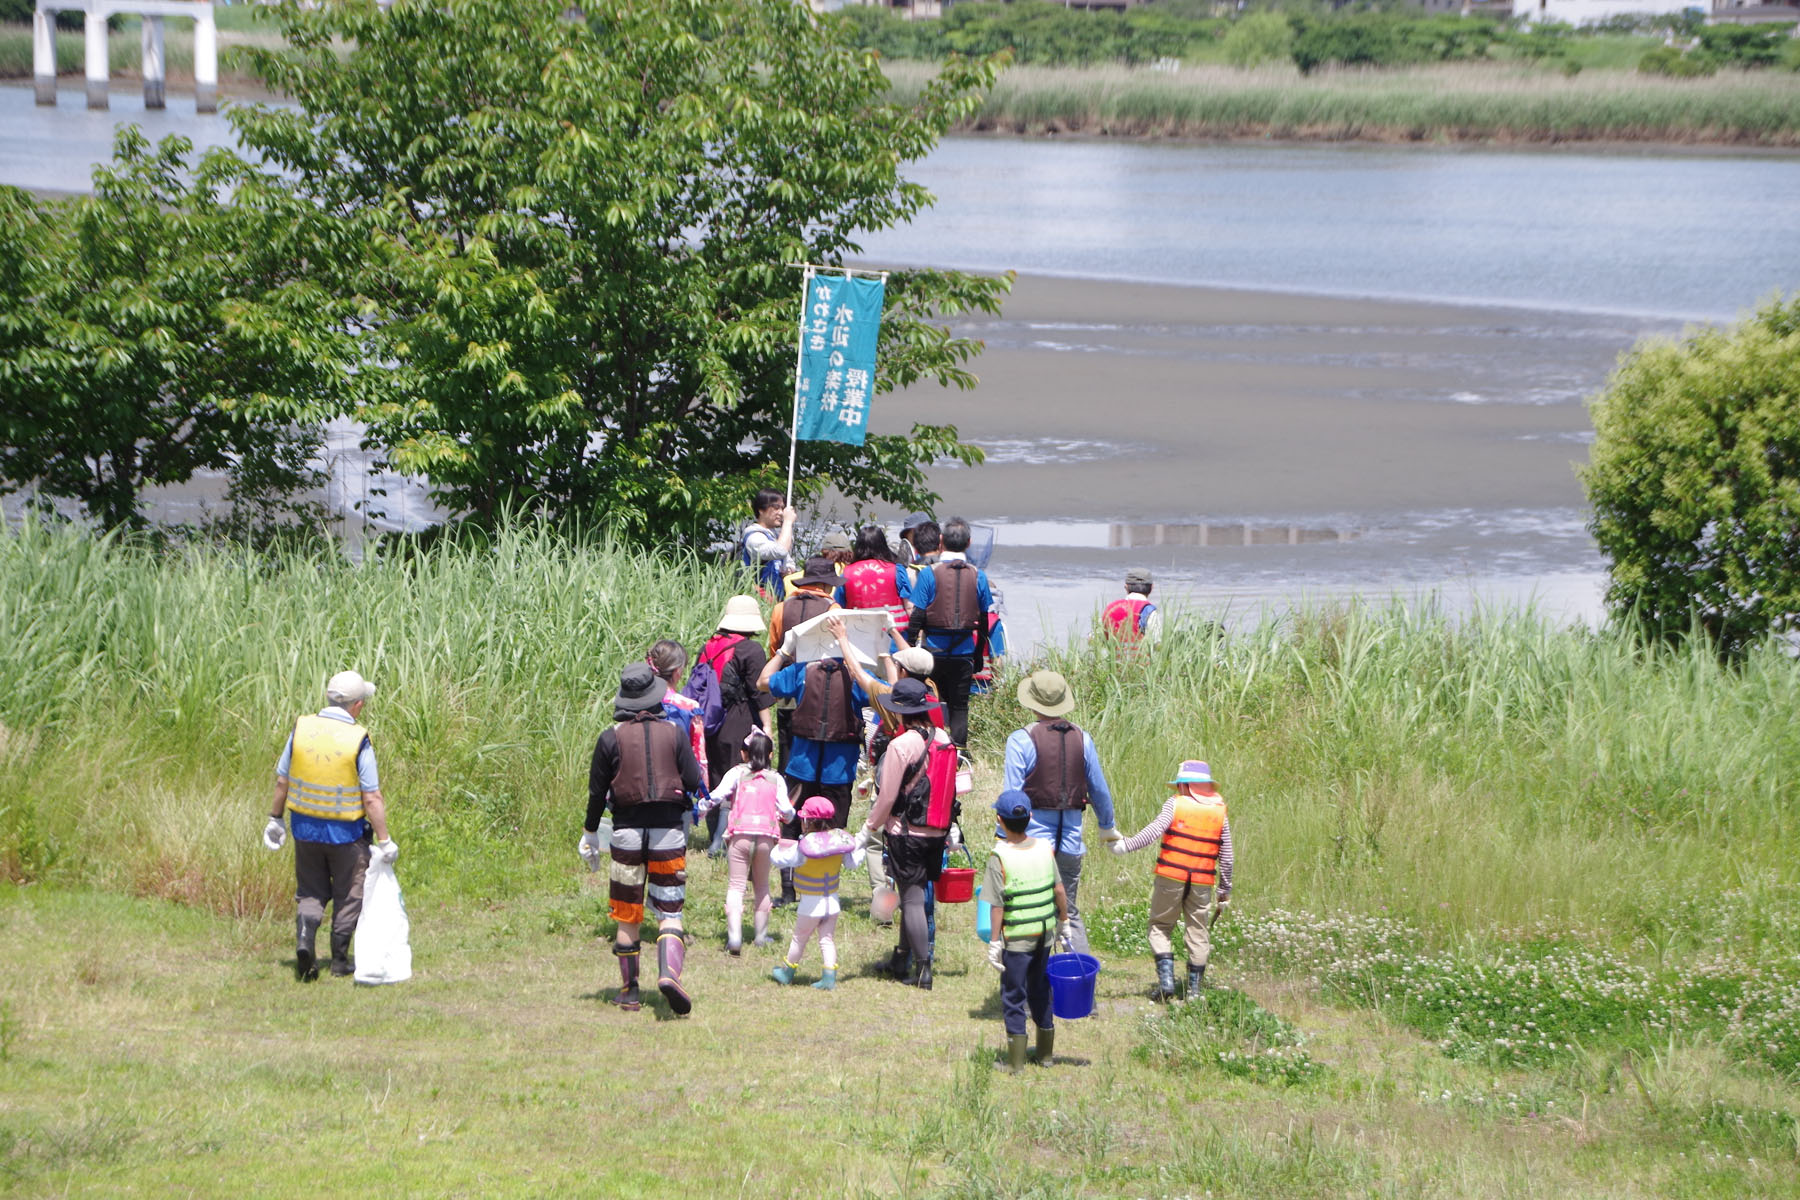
(737, 657)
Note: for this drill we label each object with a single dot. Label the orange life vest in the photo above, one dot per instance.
(1190, 847)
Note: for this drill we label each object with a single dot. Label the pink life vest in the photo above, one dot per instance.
(870, 583)
(753, 809)
(1122, 617)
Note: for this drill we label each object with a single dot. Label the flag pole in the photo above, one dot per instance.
(799, 359)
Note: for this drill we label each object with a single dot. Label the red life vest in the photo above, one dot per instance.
(871, 583)
(1124, 618)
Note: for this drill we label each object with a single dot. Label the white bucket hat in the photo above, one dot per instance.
(742, 615)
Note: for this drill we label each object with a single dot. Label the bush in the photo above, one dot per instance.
(1667, 60)
(1386, 41)
(1259, 38)
(1045, 34)
(1695, 482)
(1747, 46)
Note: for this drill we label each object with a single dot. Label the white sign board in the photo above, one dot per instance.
(867, 629)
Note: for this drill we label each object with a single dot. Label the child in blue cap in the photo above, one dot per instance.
(1029, 903)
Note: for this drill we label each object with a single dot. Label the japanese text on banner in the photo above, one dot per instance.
(838, 334)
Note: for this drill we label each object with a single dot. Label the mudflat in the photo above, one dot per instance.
(1260, 446)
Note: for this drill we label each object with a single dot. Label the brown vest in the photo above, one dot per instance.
(649, 767)
(1058, 780)
(828, 711)
(797, 610)
(956, 604)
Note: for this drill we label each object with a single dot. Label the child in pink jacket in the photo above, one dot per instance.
(756, 803)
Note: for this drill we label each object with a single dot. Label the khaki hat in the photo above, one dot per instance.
(1139, 577)
(837, 539)
(742, 615)
(1046, 693)
(347, 687)
(915, 660)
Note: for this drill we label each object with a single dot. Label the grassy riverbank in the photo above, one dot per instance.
(1470, 102)
(1518, 914)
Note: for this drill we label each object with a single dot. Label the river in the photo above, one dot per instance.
(1308, 444)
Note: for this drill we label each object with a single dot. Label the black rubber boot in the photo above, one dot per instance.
(671, 953)
(1046, 1046)
(627, 999)
(306, 960)
(1196, 979)
(341, 962)
(899, 963)
(923, 978)
(787, 899)
(1165, 978)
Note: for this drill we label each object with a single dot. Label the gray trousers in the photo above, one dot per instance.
(1068, 867)
(326, 873)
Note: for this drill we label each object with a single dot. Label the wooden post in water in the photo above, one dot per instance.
(43, 54)
(206, 59)
(98, 69)
(155, 67)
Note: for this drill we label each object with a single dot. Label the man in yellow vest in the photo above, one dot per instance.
(1029, 902)
(326, 781)
(1193, 862)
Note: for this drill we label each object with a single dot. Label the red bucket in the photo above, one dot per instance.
(956, 885)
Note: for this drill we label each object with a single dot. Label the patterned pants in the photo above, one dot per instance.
(648, 864)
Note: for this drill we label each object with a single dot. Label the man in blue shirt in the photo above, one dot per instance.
(951, 601)
(1053, 761)
(828, 736)
(326, 781)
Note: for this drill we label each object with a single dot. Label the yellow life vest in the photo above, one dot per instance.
(1190, 848)
(322, 779)
(819, 876)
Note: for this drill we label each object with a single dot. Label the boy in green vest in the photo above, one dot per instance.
(1028, 902)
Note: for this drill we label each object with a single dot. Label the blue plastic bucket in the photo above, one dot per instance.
(1072, 980)
(984, 917)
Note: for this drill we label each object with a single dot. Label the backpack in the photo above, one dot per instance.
(928, 795)
(705, 685)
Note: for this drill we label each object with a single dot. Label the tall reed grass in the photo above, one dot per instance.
(1499, 102)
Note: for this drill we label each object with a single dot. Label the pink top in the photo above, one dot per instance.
(759, 802)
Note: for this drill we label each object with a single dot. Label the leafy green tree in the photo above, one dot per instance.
(1695, 481)
(159, 327)
(1257, 38)
(573, 234)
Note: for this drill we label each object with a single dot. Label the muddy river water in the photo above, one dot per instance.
(1271, 374)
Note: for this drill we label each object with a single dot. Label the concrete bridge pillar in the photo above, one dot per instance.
(155, 66)
(98, 68)
(206, 61)
(43, 54)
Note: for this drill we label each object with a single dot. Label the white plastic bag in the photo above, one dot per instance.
(383, 949)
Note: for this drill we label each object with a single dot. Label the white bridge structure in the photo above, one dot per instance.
(153, 12)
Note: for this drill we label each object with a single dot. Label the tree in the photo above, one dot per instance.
(159, 327)
(1695, 481)
(1257, 38)
(574, 234)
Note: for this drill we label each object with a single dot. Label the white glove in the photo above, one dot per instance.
(274, 834)
(1111, 836)
(385, 851)
(955, 836)
(589, 849)
(1117, 847)
(995, 949)
(865, 839)
(1065, 934)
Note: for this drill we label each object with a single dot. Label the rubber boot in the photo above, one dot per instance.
(899, 963)
(627, 999)
(671, 952)
(787, 899)
(761, 927)
(306, 962)
(1015, 1053)
(341, 962)
(1046, 1046)
(827, 980)
(1165, 978)
(1196, 976)
(784, 974)
(923, 978)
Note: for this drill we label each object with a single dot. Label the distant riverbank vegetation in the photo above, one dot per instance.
(1153, 71)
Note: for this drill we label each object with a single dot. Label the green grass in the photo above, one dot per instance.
(1438, 825)
(1486, 102)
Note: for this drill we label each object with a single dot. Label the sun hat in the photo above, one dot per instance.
(913, 521)
(1193, 771)
(820, 572)
(1046, 693)
(742, 615)
(915, 660)
(347, 687)
(909, 696)
(1013, 804)
(837, 539)
(640, 689)
(817, 808)
(1139, 577)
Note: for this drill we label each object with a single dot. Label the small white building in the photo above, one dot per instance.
(1587, 12)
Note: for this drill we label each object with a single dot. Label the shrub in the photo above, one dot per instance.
(1387, 41)
(1695, 482)
(1744, 45)
(1226, 1030)
(1667, 60)
(1259, 38)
